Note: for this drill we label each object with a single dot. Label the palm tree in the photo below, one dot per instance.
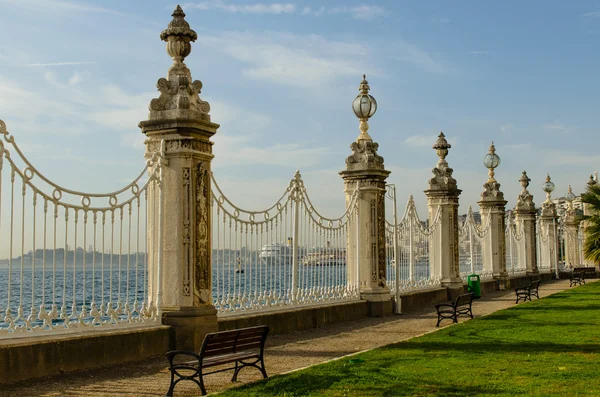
(591, 245)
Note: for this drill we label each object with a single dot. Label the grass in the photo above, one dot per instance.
(548, 347)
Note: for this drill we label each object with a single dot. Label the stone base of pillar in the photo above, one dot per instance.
(190, 325)
(454, 291)
(379, 301)
(452, 283)
(503, 281)
(380, 309)
(533, 273)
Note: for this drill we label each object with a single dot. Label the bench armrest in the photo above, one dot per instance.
(171, 354)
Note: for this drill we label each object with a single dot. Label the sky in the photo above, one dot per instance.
(76, 77)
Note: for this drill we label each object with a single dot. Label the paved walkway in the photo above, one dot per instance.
(284, 353)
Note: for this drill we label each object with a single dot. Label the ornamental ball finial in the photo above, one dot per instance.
(592, 181)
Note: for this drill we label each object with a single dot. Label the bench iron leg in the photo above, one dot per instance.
(262, 368)
(235, 372)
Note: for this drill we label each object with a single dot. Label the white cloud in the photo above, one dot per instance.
(75, 79)
(361, 12)
(367, 12)
(593, 14)
(506, 128)
(60, 64)
(426, 140)
(289, 59)
(414, 55)
(44, 5)
(556, 125)
(259, 8)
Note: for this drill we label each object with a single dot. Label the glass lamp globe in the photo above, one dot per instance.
(364, 105)
(548, 187)
(491, 160)
(570, 196)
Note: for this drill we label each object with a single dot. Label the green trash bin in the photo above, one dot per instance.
(474, 285)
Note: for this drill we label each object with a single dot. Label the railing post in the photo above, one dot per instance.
(585, 225)
(365, 170)
(295, 250)
(180, 118)
(525, 218)
(395, 242)
(411, 250)
(470, 226)
(442, 196)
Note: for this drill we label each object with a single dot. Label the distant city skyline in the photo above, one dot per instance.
(77, 76)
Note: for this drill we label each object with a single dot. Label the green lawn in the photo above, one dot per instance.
(548, 347)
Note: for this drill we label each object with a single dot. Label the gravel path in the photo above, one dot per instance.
(284, 353)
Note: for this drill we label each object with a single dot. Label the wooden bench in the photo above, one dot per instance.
(578, 275)
(244, 347)
(460, 307)
(528, 291)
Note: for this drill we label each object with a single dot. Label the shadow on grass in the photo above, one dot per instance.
(474, 347)
(346, 383)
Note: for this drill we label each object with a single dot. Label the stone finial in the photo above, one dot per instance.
(548, 207)
(178, 92)
(524, 199)
(592, 181)
(442, 174)
(364, 156)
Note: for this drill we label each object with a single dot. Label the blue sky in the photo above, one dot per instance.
(76, 77)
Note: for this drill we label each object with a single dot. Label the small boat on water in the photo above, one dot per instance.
(239, 269)
(325, 256)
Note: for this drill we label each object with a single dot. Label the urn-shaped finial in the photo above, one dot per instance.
(178, 36)
(524, 180)
(441, 146)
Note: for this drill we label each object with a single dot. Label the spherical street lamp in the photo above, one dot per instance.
(491, 161)
(548, 187)
(364, 106)
(569, 197)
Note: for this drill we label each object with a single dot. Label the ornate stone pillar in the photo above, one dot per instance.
(493, 213)
(587, 211)
(548, 230)
(366, 242)
(571, 233)
(525, 220)
(180, 118)
(442, 197)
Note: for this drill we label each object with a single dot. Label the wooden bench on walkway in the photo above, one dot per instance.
(528, 291)
(460, 307)
(579, 274)
(244, 347)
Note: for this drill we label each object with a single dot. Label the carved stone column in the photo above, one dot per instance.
(180, 118)
(525, 216)
(442, 197)
(493, 212)
(587, 211)
(571, 233)
(366, 243)
(548, 230)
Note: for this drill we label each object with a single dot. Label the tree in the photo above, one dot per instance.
(591, 245)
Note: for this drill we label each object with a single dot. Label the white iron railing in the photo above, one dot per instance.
(471, 235)
(547, 247)
(74, 260)
(408, 244)
(287, 254)
(515, 263)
